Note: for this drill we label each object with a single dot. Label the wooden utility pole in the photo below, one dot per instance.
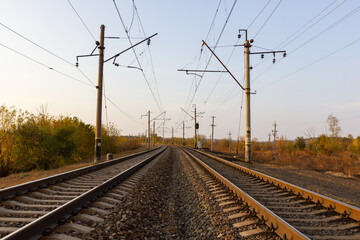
(274, 133)
(212, 132)
(99, 96)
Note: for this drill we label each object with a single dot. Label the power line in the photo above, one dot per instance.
(268, 18)
(150, 55)
(46, 50)
(316, 36)
(82, 21)
(137, 59)
(310, 64)
(44, 65)
(259, 14)
(217, 42)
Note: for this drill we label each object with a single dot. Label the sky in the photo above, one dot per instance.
(319, 77)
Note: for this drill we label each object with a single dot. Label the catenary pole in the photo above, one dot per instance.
(212, 132)
(99, 96)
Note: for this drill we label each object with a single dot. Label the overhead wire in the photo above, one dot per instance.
(137, 59)
(259, 14)
(82, 21)
(46, 50)
(310, 64)
(44, 65)
(217, 42)
(150, 55)
(350, 14)
(267, 19)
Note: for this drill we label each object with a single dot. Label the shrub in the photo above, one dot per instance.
(300, 143)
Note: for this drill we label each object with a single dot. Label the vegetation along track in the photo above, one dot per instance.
(292, 212)
(31, 210)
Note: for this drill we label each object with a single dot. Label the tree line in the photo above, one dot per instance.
(40, 141)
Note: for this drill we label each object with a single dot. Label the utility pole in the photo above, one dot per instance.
(172, 135)
(269, 137)
(229, 141)
(212, 132)
(148, 129)
(195, 127)
(247, 101)
(154, 133)
(274, 133)
(99, 96)
(163, 132)
(183, 138)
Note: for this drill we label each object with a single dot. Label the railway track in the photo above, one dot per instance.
(32, 210)
(290, 211)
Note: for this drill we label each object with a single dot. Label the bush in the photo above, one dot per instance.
(300, 143)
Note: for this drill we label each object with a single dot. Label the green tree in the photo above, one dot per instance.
(300, 143)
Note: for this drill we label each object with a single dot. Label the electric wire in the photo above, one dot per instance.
(259, 14)
(44, 65)
(310, 64)
(307, 29)
(308, 22)
(268, 19)
(82, 21)
(150, 55)
(48, 51)
(350, 14)
(137, 59)
(217, 42)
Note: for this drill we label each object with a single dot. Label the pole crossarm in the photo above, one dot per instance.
(204, 43)
(116, 55)
(268, 52)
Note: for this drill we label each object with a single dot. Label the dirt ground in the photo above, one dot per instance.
(19, 178)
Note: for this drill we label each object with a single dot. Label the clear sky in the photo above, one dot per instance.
(298, 92)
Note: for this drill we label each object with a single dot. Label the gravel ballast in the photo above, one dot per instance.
(164, 205)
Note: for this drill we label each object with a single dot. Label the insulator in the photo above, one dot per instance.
(76, 64)
(116, 64)
(274, 60)
(148, 42)
(239, 35)
(284, 55)
(262, 56)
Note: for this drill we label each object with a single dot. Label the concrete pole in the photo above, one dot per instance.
(154, 133)
(183, 139)
(149, 132)
(274, 131)
(247, 102)
(212, 133)
(195, 137)
(99, 97)
(164, 132)
(172, 135)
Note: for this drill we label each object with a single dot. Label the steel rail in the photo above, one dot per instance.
(277, 224)
(17, 190)
(345, 209)
(45, 224)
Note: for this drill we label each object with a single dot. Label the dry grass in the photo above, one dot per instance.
(19, 178)
(345, 165)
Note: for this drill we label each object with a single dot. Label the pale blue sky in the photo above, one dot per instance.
(298, 102)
